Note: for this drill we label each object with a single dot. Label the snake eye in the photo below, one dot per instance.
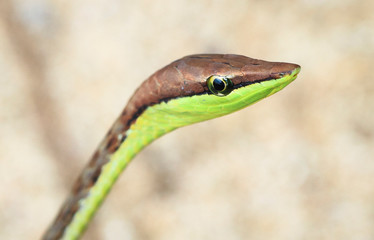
(220, 86)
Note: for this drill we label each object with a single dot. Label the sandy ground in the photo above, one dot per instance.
(298, 165)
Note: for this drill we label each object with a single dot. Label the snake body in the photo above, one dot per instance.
(192, 89)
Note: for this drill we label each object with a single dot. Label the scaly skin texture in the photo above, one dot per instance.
(175, 96)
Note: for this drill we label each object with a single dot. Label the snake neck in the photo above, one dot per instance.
(123, 141)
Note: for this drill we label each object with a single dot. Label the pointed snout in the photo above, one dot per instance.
(285, 68)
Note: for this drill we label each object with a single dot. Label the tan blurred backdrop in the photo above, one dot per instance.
(298, 165)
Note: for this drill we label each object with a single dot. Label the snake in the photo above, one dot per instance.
(192, 89)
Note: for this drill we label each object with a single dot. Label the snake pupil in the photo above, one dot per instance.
(218, 84)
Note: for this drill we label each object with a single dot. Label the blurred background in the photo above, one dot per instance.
(298, 165)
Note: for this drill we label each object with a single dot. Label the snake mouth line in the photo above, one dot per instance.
(292, 73)
(275, 76)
